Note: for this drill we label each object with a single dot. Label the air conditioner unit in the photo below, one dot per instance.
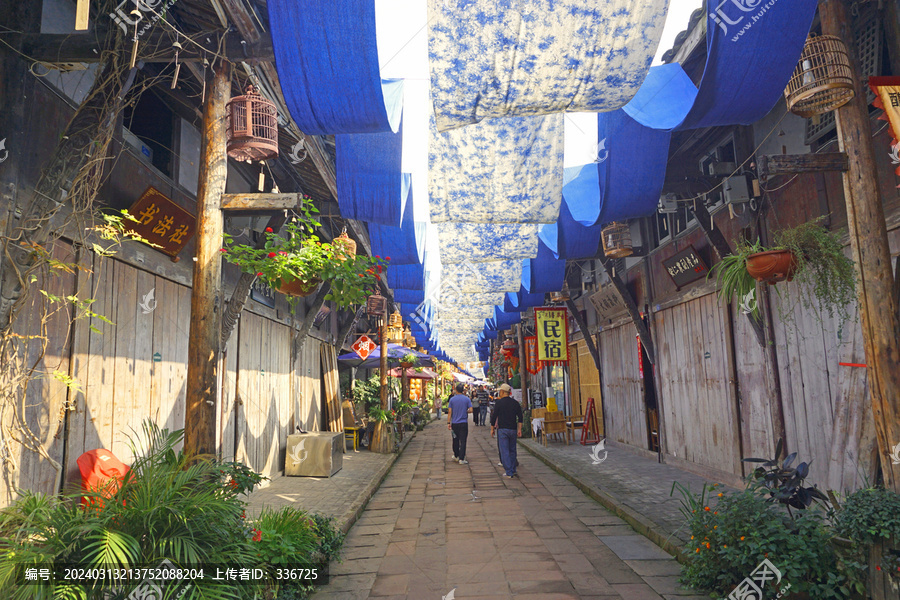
(737, 190)
(721, 169)
(668, 204)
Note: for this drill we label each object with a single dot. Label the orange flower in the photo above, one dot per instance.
(742, 538)
(725, 546)
(706, 508)
(721, 494)
(715, 526)
(698, 549)
(692, 537)
(707, 545)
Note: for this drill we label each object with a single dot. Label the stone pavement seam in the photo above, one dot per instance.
(639, 522)
(359, 505)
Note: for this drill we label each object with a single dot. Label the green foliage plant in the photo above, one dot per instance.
(731, 273)
(823, 272)
(733, 532)
(869, 516)
(298, 254)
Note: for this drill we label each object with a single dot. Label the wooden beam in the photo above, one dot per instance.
(310, 318)
(631, 306)
(206, 291)
(88, 47)
(241, 19)
(82, 15)
(718, 241)
(523, 372)
(576, 314)
(780, 164)
(260, 201)
(869, 242)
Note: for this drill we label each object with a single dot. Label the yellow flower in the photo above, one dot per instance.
(715, 526)
(692, 537)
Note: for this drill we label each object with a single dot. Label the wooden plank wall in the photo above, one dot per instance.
(307, 386)
(264, 392)
(332, 384)
(701, 417)
(42, 412)
(623, 400)
(589, 379)
(827, 411)
(574, 380)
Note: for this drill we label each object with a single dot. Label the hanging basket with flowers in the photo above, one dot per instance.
(295, 262)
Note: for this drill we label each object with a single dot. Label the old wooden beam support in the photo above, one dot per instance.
(718, 241)
(61, 48)
(308, 320)
(780, 164)
(523, 372)
(242, 19)
(631, 307)
(206, 292)
(592, 348)
(869, 242)
(260, 201)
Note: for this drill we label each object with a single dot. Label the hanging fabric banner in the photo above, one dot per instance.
(552, 329)
(532, 363)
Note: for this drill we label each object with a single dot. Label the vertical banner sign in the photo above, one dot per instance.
(887, 98)
(532, 363)
(552, 335)
(640, 357)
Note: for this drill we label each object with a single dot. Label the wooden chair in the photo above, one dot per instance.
(539, 413)
(555, 424)
(352, 428)
(572, 423)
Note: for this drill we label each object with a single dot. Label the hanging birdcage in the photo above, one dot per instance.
(823, 80)
(616, 240)
(252, 127)
(562, 295)
(376, 305)
(395, 320)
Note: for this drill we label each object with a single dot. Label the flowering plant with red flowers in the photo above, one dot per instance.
(295, 261)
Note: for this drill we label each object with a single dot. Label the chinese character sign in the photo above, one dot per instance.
(887, 92)
(162, 222)
(532, 363)
(552, 335)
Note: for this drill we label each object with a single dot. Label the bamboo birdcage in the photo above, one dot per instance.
(395, 320)
(252, 127)
(376, 305)
(346, 244)
(822, 80)
(616, 240)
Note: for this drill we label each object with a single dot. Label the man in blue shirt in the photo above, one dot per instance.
(458, 423)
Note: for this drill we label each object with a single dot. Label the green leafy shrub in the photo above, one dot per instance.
(869, 516)
(731, 536)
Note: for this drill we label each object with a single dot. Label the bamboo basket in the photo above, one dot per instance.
(822, 80)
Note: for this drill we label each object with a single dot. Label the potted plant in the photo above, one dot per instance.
(808, 254)
(296, 261)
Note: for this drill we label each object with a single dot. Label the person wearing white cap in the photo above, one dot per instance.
(507, 423)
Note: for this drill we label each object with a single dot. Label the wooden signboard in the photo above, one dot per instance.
(162, 222)
(685, 266)
(608, 303)
(262, 292)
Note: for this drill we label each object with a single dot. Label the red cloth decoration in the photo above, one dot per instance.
(101, 472)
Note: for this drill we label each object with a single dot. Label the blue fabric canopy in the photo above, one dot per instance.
(545, 273)
(409, 296)
(576, 234)
(751, 53)
(521, 301)
(327, 61)
(404, 244)
(408, 277)
(504, 320)
(370, 185)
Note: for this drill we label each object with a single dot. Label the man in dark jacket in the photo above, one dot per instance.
(507, 423)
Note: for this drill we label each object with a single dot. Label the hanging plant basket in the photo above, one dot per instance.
(616, 240)
(296, 287)
(822, 81)
(772, 266)
(252, 127)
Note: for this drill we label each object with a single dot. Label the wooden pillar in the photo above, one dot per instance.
(206, 293)
(868, 239)
(382, 438)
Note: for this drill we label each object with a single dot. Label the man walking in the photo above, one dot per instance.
(458, 423)
(507, 423)
(483, 400)
(475, 409)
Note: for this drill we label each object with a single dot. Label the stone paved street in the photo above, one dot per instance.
(435, 526)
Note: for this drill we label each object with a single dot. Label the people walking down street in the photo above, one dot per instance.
(476, 410)
(483, 401)
(458, 423)
(507, 423)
